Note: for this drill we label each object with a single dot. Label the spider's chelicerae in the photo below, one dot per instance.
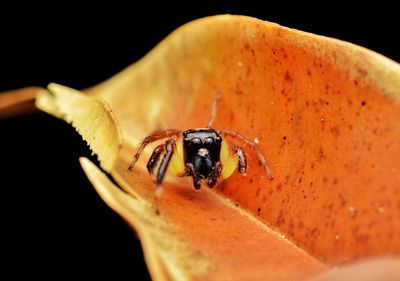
(201, 153)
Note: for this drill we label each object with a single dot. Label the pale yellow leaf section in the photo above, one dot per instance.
(164, 246)
(91, 117)
(387, 268)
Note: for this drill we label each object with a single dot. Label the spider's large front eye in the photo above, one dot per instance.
(196, 141)
(208, 141)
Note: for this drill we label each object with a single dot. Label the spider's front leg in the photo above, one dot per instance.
(155, 157)
(253, 145)
(158, 135)
(169, 147)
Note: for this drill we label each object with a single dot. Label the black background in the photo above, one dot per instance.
(53, 223)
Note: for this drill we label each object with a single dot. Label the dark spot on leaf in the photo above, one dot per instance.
(362, 238)
(321, 155)
(362, 72)
(362, 103)
(281, 218)
(288, 78)
(313, 231)
(291, 224)
(342, 200)
(335, 131)
(284, 137)
(248, 71)
(284, 53)
(349, 102)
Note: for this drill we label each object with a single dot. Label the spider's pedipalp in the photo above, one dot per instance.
(190, 171)
(242, 161)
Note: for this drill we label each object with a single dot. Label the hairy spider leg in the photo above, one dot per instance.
(157, 135)
(155, 157)
(170, 146)
(214, 107)
(253, 145)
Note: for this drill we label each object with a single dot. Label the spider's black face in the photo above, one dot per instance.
(202, 148)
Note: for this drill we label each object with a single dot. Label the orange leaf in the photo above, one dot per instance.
(326, 114)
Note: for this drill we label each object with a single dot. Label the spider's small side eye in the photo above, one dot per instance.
(218, 140)
(186, 140)
(196, 141)
(209, 141)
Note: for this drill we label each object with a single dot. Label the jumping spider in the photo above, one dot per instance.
(200, 153)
